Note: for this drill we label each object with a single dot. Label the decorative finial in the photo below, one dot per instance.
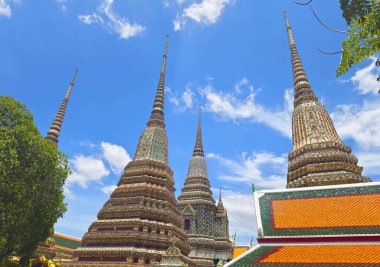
(220, 194)
(71, 84)
(286, 19)
(250, 242)
(302, 88)
(198, 148)
(55, 128)
(157, 114)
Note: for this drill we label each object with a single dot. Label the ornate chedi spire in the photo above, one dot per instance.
(207, 228)
(157, 114)
(318, 156)
(140, 220)
(55, 128)
(153, 141)
(198, 147)
(197, 184)
(220, 207)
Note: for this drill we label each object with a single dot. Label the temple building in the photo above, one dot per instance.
(141, 219)
(333, 220)
(318, 156)
(205, 223)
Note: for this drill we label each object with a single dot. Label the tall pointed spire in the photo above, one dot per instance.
(318, 155)
(157, 114)
(220, 207)
(198, 148)
(55, 128)
(302, 88)
(153, 143)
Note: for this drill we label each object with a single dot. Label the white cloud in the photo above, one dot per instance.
(111, 21)
(365, 79)
(264, 170)
(179, 22)
(173, 2)
(86, 169)
(237, 106)
(230, 106)
(370, 160)
(62, 4)
(5, 7)
(360, 122)
(205, 12)
(183, 102)
(90, 19)
(241, 83)
(241, 215)
(116, 156)
(187, 97)
(108, 189)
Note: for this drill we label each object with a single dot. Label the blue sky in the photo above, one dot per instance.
(231, 56)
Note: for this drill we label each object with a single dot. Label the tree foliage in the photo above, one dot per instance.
(363, 18)
(32, 175)
(354, 9)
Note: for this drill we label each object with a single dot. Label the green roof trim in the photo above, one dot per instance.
(266, 216)
(253, 256)
(64, 251)
(67, 242)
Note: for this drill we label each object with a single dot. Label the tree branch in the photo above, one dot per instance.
(330, 53)
(326, 26)
(303, 4)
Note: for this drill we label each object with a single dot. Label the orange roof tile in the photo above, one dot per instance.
(331, 254)
(237, 251)
(326, 212)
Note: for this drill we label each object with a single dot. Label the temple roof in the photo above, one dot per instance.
(65, 245)
(55, 128)
(337, 255)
